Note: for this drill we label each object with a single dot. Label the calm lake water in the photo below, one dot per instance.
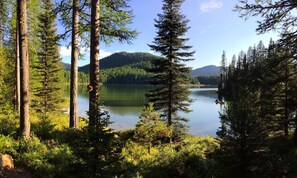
(125, 103)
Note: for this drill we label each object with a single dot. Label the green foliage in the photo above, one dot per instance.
(210, 80)
(170, 73)
(190, 158)
(42, 159)
(95, 147)
(277, 14)
(260, 114)
(114, 18)
(5, 93)
(44, 129)
(124, 68)
(83, 78)
(8, 121)
(150, 130)
(48, 90)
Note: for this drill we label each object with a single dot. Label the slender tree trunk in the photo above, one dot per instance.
(94, 63)
(17, 69)
(286, 122)
(24, 69)
(74, 58)
(295, 132)
(170, 87)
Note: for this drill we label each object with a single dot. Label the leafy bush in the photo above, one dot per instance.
(41, 159)
(8, 122)
(150, 130)
(189, 158)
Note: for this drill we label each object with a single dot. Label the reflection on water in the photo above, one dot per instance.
(125, 102)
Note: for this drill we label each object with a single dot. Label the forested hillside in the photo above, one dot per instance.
(206, 71)
(130, 68)
(119, 68)
(124, 68)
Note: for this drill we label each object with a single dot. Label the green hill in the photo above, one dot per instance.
(124, 68)
(121, 59)
(120, 68)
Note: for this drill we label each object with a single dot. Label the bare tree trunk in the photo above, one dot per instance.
(286, 119)
(17, 69)
(74, 70)
(94, 63)
(24, 69)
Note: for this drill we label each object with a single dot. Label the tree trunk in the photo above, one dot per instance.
(286, 119)
(24, 70)
(94, 64)
(17, 70)
(295, 132)
(74, 70)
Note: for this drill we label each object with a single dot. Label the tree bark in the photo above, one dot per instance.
(17, 70)
(24, 70)
(74, 70)
(94, 63)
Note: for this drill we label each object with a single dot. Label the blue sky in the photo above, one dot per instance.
(214, 27)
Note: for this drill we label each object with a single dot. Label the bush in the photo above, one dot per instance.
(8, 122)
(41, 159)
(189, 158)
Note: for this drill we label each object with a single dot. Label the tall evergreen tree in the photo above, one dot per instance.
(94, 63)
(74, 69)
(223, 72)
(17, 68)
(170, 72)
(48, 93)
(15, 54)
(24, 69)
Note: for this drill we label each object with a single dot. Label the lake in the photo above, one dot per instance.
(125, 103)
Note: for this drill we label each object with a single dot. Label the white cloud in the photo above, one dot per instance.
(152, 52)
(66, 52)
(103, 53)
(210, 5)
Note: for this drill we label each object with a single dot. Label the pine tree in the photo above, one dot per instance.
(48, 93)
(243, 131)
(223, 73)
(94, 63)
(73, 122)
(170, 72)
(15, 54)
(24, 69)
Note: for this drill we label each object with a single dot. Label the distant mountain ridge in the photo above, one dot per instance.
(210, 70)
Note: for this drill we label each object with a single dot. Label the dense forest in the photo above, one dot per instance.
(38, 138)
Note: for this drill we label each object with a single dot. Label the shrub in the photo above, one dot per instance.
(189, 158)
